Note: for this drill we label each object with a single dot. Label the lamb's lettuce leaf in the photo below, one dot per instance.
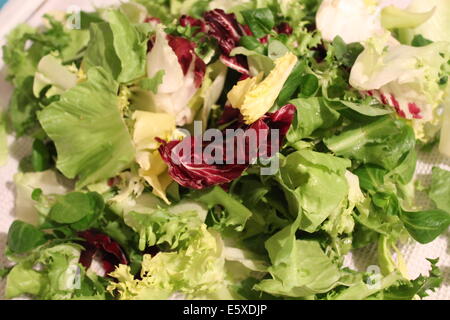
(425, 226)
(49, 182)
(383, 142)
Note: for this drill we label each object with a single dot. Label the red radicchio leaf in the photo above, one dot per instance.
(198, 170)
(185, 51)
(229, 114)
(227, 31)
(284, 28)
(183, 48)
(247, 30)
(193, 22)
(264, 39)
(110, 251)
(393, 102)
(238, 63)
(152, 20)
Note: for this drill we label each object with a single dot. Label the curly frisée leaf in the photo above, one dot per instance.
(91, 139)
(198, 272)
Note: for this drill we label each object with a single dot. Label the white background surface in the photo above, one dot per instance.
(415, 254)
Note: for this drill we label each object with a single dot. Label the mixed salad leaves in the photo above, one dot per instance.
(109, 208)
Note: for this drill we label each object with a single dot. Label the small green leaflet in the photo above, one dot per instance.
(292, 84)
(23, 237)
(367, 108)
(346, 53)
(75, 206)
(309, 85)
(251, 43)
(425, 226)
(420, 41)
(261, 21)
(40, 156)
(152, 84)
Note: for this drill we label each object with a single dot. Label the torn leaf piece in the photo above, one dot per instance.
(254, 98)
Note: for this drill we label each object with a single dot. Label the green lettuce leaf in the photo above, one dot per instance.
(364, 289)
(266, 203)
(118, 47)
(50, 71)
(299, 267)
(135, 12)
(92, 140)
(312, 114)
(158, 9)
(315, 186)
(393, 17)
(55, 280)
(79, 40)
(23, 108)
(21, 63)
